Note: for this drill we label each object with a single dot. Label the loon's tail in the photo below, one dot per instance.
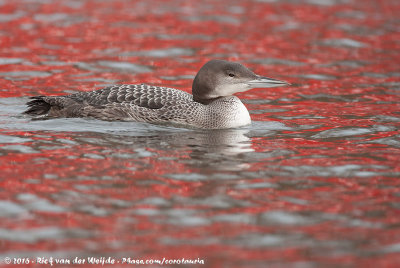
(37, 106)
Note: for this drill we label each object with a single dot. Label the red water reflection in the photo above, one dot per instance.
(323, 192)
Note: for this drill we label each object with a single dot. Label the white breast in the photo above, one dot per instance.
(242, 116)
(226, 112)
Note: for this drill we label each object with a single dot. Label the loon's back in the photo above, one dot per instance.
(117, 102)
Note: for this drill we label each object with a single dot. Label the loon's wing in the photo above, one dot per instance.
(146, 96)
(109, 103)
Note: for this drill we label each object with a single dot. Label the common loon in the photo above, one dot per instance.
(212, 105)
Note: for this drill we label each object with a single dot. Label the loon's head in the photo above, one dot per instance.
(220, 78)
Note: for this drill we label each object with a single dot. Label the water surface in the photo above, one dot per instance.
(313, 181)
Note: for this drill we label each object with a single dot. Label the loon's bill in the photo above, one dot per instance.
(266, 82)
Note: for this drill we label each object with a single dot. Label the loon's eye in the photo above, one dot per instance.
(231, 74)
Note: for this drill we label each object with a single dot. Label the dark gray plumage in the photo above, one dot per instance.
(211, 106)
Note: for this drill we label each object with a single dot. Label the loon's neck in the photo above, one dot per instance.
(204, 101)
